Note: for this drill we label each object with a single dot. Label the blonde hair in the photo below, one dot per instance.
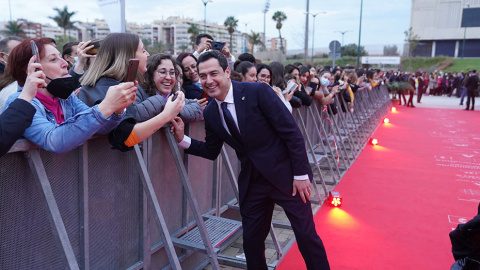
(112, 58)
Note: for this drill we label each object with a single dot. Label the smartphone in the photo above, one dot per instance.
(312, 85)
(174, 91)
(290, 87)
(217, 45)
(132, 70)
(94, 50)
(34, 51)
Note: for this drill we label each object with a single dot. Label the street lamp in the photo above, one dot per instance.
(313, 35)
(343, 33)
(245, 39)
(305, 50)
(205, 2)
(265, 10)
(359, 34)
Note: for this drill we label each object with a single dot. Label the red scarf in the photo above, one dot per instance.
(53, 105)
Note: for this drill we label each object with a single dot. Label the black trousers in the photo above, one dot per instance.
(410, 98)
(257, 209)
(419, 95)
(470, 96)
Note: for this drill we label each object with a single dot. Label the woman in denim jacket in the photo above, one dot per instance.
(62, 122)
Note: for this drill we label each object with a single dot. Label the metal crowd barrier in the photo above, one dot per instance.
(154, 207)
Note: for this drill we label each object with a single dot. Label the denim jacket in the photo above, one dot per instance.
(81, 122)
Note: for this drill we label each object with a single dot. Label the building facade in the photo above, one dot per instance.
(438, 23)
(173, 31)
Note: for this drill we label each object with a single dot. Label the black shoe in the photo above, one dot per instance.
(467, 109)
(461, 104)
(471, 109)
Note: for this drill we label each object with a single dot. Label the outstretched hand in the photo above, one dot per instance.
(303, 189)
(178, 128)
(118, 97)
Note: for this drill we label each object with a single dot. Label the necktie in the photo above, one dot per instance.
(232, 127)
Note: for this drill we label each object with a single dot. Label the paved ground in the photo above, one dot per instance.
(285, 236)
(441, 102)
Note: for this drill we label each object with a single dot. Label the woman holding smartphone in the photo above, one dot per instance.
(110, 68)
(160, 80)
(279, 86)
(62, 122)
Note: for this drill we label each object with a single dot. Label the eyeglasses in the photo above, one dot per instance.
(164, 74)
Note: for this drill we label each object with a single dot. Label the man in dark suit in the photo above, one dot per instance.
(471, 84)
(274, 166)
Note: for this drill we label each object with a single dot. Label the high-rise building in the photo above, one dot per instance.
(438, 24)
(173, 31)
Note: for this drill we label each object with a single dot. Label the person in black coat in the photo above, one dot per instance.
(471, 84)
(18, 116)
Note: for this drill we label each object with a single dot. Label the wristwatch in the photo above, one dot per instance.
(120, 113)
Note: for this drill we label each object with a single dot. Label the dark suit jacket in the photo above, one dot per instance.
(272, 141)
(13, 122)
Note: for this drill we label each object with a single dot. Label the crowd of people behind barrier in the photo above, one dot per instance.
(437, 83)
(78, 93)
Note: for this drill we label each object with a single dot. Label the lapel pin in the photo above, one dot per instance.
(243, 98)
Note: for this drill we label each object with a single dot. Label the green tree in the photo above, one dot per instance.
(184, 47)
(279, 17)
(158, 47)
(146, 42)
(61, 40)
(390, 50)
(412, 39)
(13, 29)
(193, 30)
(352, 50)
(255, 39)
(231, 23)
(64, 19)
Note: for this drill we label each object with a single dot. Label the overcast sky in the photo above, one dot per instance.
(383, 21)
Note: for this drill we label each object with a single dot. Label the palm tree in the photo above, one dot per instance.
(255, 39)
(63, 19)
(194, 31)
(13, 29)
(279, 17)
(231, 23)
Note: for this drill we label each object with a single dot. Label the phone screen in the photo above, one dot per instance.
(291, 86)
(132, 70)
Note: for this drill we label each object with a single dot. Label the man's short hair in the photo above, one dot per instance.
(247, 57)
(474, 71)
(222, 60)
(200, 36)
(4, 43)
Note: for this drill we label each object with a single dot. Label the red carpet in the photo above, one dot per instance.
(402, 197)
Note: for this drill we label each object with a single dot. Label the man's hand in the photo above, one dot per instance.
(204, 46)
(303, 188)
(225, 50)
(203, 102)
(177, 128)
